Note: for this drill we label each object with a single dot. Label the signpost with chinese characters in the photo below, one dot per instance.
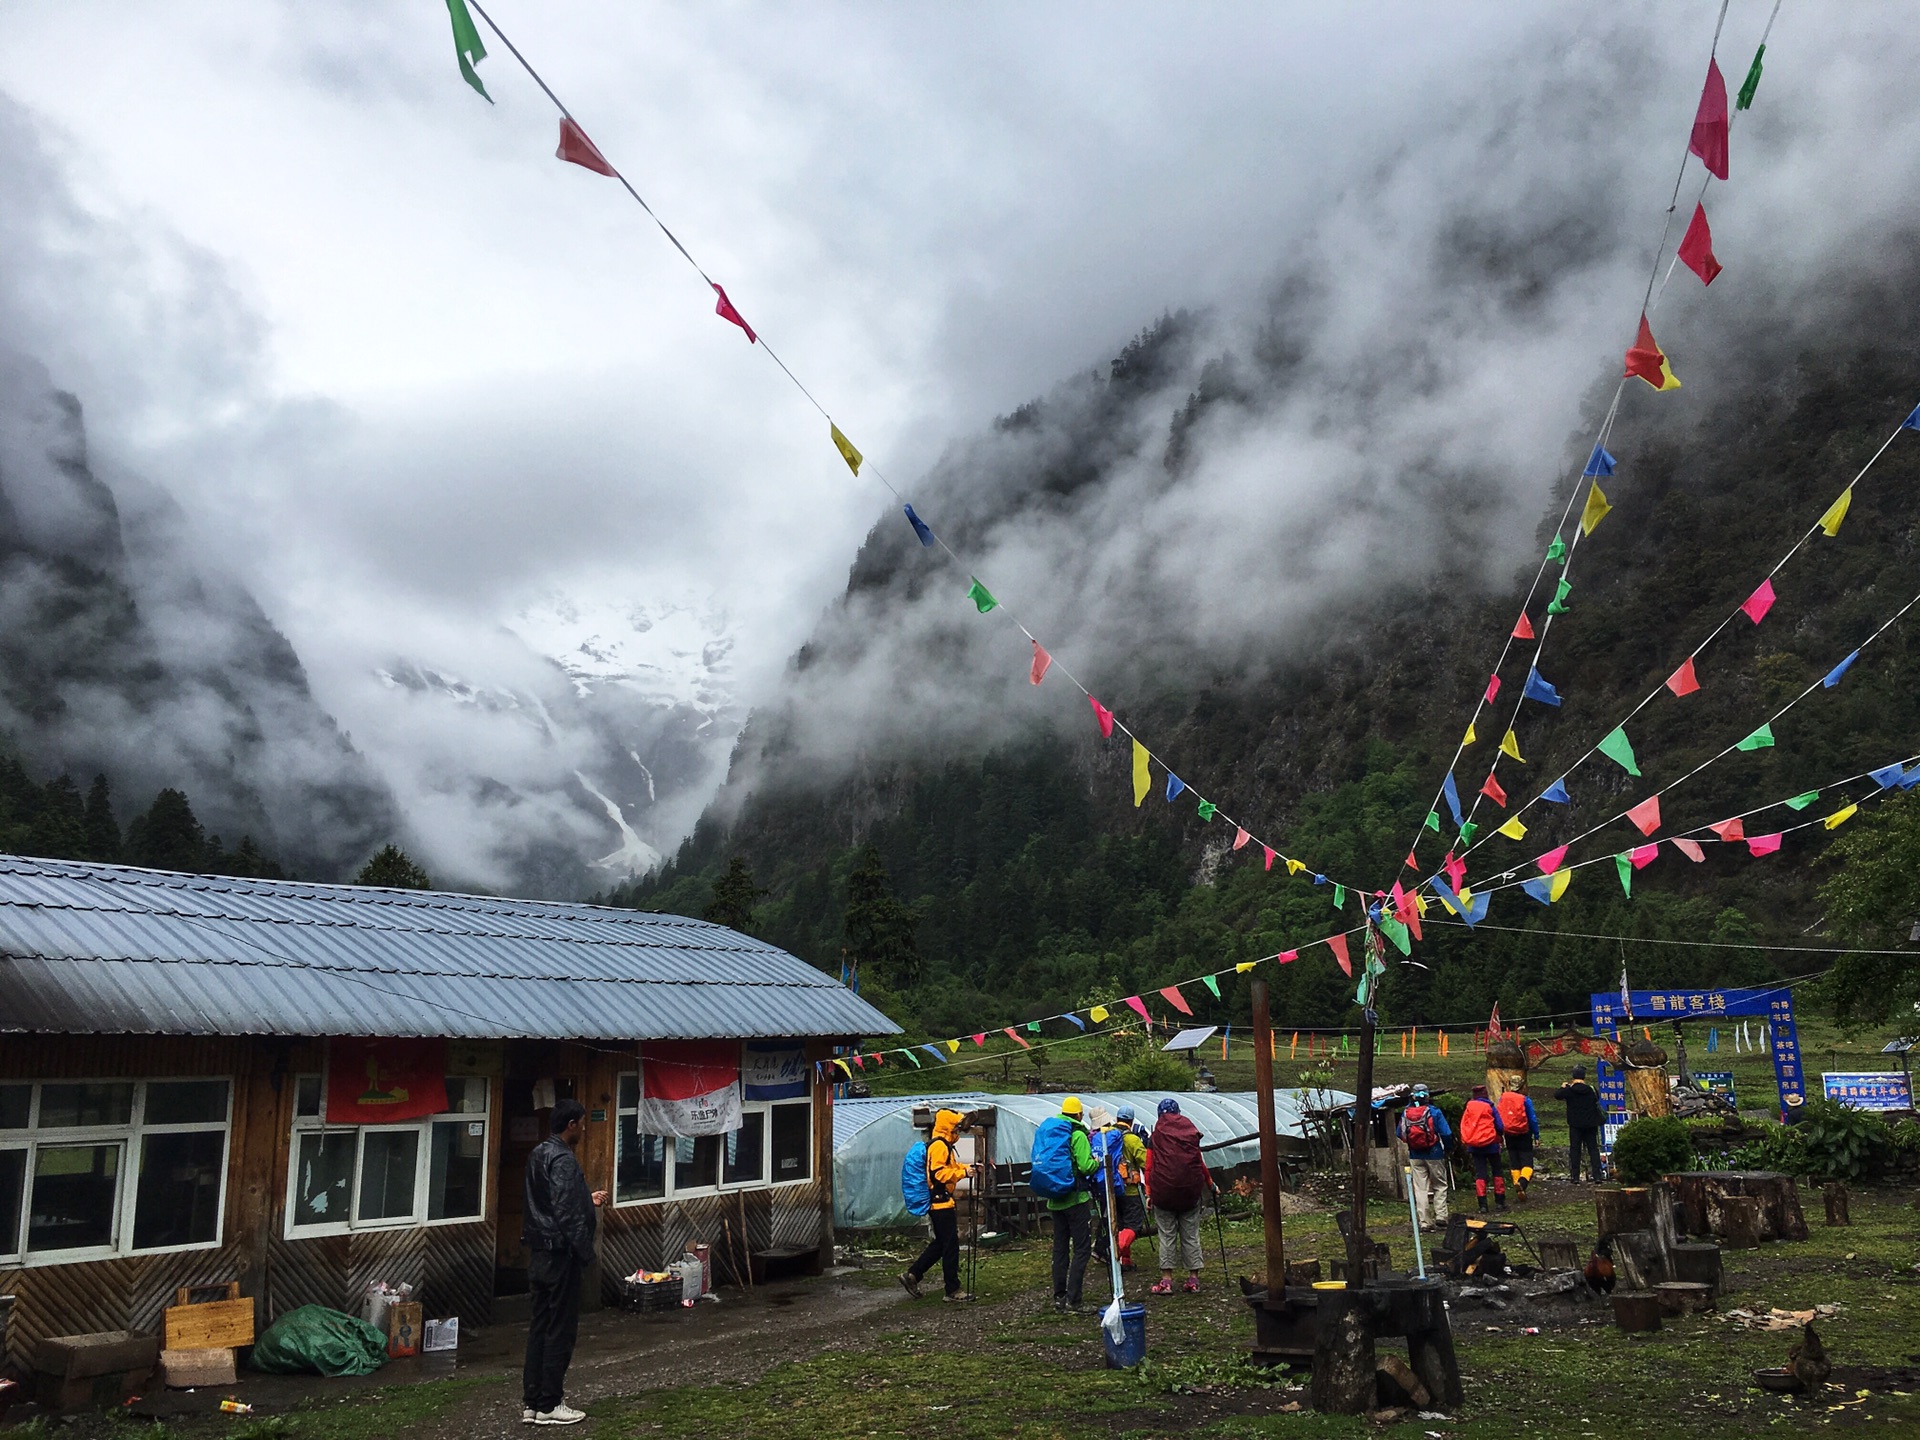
(1873, 1090)
(1650, 1007)
(1720, 1082)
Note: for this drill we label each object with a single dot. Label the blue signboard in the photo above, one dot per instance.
(1720, 1082)
(1870, 1090)
(1649, 1006)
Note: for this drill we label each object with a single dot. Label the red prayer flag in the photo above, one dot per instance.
(1493, 791)
(1690, 848)
(1338, 945)
(1763, 844)
(577, 149)
(1287, 957)
(1756, 605)
(1103, 717)
(1240, 838)
(1696, 248)
(1175, 998)
(1041, 660)
(1682, 681)
(1709, 140)
(1730, 830)
(1413, 861)
(724, 309)
(1643, 855)
(1646, 359)
(1646, 815)
(1140, 1005)
(981, 1038)
(1523, 627)
(1456, 870)
(1269, 852)
(1493, 687)
(1009, 1033)
(858, 1063)
(1550, 861)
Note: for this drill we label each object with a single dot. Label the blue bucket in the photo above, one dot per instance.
(1132, 1348)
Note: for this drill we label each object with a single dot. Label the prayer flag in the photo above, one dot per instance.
(1212, 984)
(1338, 945)
(1709, 139)
(1098, 1014)
(1760, 739)
(1510, 745)
(1207, 809)
(1397, 933)
(1756, 605)
(1140, 1007)
(915, 1058)
(1836, 512)
(1643, 855)
(934, 1050)
(1339, 897)
(1244, 966)
(1910, 779)
(1269, 854)
(1541, 889)
(1840, 816)
(1648, 361)
(1833, 675)
(1174, 786)
(1287, 957)
(1493, 687)
(1690, 848)
(1912, 422)
(577, 149)
(1493, 791)
(1173, 997)
(1800, 802)
(1142, 777)
(1730, 830)
(1432, 822)
(1538, 689)
(1468, 738)
(1008, 1032)
(1683, 681)
(1103, 717)
(1451, 794)
(1600, 462)
(1763, 844)
(1295, 867)
(1468, 906)
(1596, 508)
(1513, 829)
(1887, 776)
(919, 527)
(724, 309)
(1523, 627)
(1456, 869)
(1557, 551)
(1240, 838)
(1561, 879)
(847, 453)
(466, 46)
(1696, 247)
(1744, 100)
(953, 1047)
(980, 1040)
(1033, 1027)
(1550, 861)
(982, 598)
(1558, 605)
(1625, 867)
(1557, 792)
(1646, 815)
(1467, 832)
(1617, 748)
(1074, 1020)
(1041, 660)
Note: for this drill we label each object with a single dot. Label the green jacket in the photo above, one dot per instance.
(1082, 1165)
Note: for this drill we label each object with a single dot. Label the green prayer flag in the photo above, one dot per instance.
(1558, 605)
(983, 600)
(1211, 984)
(1397, 933)
(1625, 867)
(1557, 551)
(1468, 830)
(1033, 1027)
(913, 1057)
(1433, 821)
(1800, 802)
(469, 50)
(1744, 101)
(1761, 739)
(1617, 748)
(1339, 897)
(1208, 809)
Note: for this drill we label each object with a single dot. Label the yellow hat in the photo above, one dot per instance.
(1070, 1105)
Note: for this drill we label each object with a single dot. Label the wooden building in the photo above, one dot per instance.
(206, 1079)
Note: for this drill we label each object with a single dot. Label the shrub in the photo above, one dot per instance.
(1152, 1071)
(1648, 1148)
(1772, 1147)
(1843, 1143)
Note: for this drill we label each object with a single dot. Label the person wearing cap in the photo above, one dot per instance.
(944, 1174)
(1073, 1215)
(1481, 1131)
(1124, 1150)
(1583, 1123)
(1424, 1128)
(1180, 1183)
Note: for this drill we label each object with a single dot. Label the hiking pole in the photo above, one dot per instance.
(1219, 1230)
(1413, 1210)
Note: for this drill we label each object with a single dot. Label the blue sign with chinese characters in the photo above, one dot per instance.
(1648, 1006)
(1720, 1082)
(1871, 1090)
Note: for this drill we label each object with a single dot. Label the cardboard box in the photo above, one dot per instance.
(75, 1372)
(189, 1369)
(403, 1328)
(442, 1335)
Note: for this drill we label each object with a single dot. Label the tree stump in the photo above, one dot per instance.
(1666, 1218)
(1623, 1208)
(1690, 1193)
(1303, 1272)
(1344, 1373)
(1683, 1297)
(1835, 1195)
(1779, 1203)
(1638, 1260)
(1736, 1220)
(1700, 1264)
(1633, 1311)
(1398, 1385)
(1560, 1254)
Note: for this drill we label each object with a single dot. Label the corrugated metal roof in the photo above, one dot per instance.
(108, 949)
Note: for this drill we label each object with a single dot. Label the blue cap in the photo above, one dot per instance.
(1169, 1106)
(1124, 1115)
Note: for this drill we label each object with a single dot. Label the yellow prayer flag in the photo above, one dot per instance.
(1098, 1014)
(1557, 885)
(1420, 904)
(1244, 966)
(1597, 506)
(1511, 746)
(1668, 380)
(1452, 909)
(1836, 512)
(1142, 779)
(1294, 867)
(845, 446)
(1840, 817)
(1466, 898)
(1469, 737)
(1513, 829)
(953, 1047)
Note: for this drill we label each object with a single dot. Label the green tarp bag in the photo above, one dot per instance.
(316, 1340)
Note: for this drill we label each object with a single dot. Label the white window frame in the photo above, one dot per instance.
(129, 1137)
(675, 1191)
(305, 1125)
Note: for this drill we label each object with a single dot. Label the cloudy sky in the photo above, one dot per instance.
(409, 373)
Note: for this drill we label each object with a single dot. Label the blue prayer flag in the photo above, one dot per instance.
(1472, 913)
(1539, 689)
(1319, 879)
(1174, 785)
(1887, 776)
(1452, 792)
(1600, 462)
(1557, 792)
(1910, 779)
(1075, 1019)
(1833, 675)
(936, 1052)
(1541, 889)
(919, 527)
(1912, 422)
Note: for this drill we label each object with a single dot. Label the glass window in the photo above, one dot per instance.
(456, 1159)
(306, 1095)
(466, 1095)
(746, 1157)
(323, 1177)
(13, 1189)
(185, 1102)
(178, 1200)
(389, 1163)
(696, 1162)
(629, 1092)
(15, 1103)
(109, 1103)
(640, 1163)
(792, 1141)
(74, 1187)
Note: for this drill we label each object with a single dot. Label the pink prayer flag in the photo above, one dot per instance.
(1709, 139)
(1696, 248)
(1690, 848)
(1009, 1033)
(1240, 838)
(1041, 660)
(1493, 687)
(1646, 815)
(577, 149)
(1757, 604)
(1643, 855)
(1338, 945)
(1763, 844)
(1550, 861)
(1682, 681)
(858, 1063)
(1140, 1006)
(1456, 870)
(1493, 790)
(1523, 628)
(1269, 852)
(1287, 957)
(1175, 998)
(1103, 717)
(1730, 830)
(726, 311)
(981, 1038)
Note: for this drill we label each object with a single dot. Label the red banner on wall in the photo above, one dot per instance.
(373, 1079)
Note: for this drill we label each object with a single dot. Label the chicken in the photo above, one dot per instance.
(1599, 1270)
(1809, 1362)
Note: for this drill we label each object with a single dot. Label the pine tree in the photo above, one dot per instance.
(59, 829)
(879, 931)
(101, 840)
(168, 836)
(393, 869)
(734, 896)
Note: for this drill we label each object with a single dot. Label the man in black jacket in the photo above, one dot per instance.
(1583, 1122)
(558, 1234)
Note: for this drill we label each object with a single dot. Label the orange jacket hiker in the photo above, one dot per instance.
(1479, 1125)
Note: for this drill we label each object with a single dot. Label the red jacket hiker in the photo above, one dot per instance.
(1179, 1174)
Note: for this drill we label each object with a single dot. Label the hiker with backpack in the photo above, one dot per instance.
(1522, 1124)
(1121, 1152)
(1180, 1183)
(1425, 1130)
(1062, 1175)
(1481, 1131)
(940, 1171)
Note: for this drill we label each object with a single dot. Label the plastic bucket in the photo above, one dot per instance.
(1132, 1346)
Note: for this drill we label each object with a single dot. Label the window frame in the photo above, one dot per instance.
(675, 1191)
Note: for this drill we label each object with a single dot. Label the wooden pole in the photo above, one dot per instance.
(1269, 1144)
(1359, 1248)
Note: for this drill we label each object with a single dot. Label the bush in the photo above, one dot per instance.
(1151, 1071)
(1647, 1149)
(1772, 1147)
(1843, 1143)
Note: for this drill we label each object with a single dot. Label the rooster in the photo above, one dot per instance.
(1809, 1362)
(1599, 1271)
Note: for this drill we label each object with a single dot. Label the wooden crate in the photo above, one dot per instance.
(209, 1324)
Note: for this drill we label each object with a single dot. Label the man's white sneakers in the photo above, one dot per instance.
(561, 1414)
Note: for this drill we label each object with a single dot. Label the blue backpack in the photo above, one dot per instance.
(913, 1180)
(1053, 1177)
